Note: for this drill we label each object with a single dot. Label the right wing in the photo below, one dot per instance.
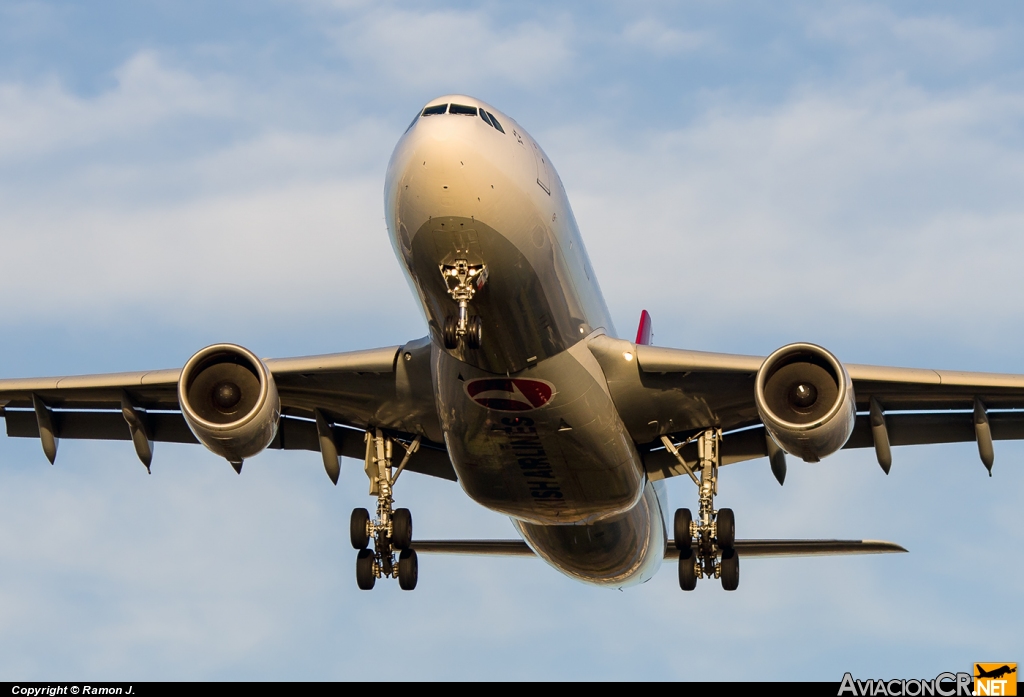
(386, 388)
(665, 391)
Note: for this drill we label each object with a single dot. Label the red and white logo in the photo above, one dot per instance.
(510, 394)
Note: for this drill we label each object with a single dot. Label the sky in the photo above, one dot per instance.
(174, 174)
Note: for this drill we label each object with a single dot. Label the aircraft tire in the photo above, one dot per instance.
(408, 569)
(364, 570)
(401, 528)
(687, 570)
(357, 528)
(451, 336)
(681, 529)
(475, 335)
(730, 569)
(726, 523)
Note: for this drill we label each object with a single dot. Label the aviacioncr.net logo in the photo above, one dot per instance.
(943, 685)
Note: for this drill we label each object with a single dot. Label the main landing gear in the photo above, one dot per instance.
(463, 280)
(391, 530)
(714, 531)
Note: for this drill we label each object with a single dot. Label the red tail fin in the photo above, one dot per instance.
(644, 332)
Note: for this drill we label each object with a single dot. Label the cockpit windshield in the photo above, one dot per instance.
(461, 109)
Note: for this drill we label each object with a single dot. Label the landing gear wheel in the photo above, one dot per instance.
(357, 529)
(726, 523)
(401, 528)
(408, 569)
(451, 336)
(730, 569)
(687, 570)
(365, 577)
(683, 536)
(475, 332)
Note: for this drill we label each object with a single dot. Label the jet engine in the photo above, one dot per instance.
(805, 399)
(229, 399)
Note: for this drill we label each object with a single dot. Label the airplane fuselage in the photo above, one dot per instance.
(527, 417)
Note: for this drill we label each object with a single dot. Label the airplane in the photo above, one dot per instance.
(995, 673)
(523, 392)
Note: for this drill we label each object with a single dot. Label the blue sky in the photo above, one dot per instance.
(173, 174)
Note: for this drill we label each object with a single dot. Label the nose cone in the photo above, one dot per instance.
(450, 162)
(453, 125)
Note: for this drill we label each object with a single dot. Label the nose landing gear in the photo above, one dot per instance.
(391, 530)
(713, 555)
(463, 281)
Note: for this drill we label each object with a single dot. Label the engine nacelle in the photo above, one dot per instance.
(805, 399)
(229, 399)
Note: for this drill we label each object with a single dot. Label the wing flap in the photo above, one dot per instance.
(904, 429)
(165, 427)
(170, 427)
(945, 427)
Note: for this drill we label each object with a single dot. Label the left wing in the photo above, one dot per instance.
(387, 388)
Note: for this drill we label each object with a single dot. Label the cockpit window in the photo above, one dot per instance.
(494, 121)
(462, 109)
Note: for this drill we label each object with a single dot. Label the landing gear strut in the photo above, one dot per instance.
(463, 281)
(714, 531)
(391, 530)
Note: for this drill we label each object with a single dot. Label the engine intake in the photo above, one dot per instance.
(805, 399)
(229, 399)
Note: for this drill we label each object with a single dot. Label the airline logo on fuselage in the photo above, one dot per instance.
(510, 394)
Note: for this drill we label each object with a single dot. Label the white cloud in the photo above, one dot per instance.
(656, 36)
(213, 259)
(268, 220)
(451, 49)
(41, 118)
(941, 39)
